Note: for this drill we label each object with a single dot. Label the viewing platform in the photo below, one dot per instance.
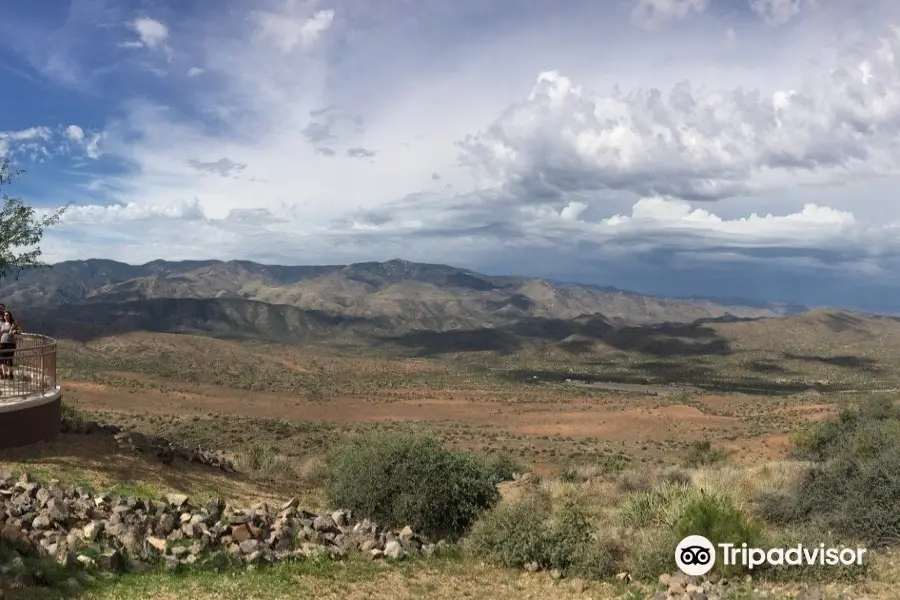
(30, 400)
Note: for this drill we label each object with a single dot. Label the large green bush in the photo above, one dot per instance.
(399, 479)
(853, 486)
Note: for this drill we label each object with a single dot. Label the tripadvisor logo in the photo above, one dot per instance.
(695, 555)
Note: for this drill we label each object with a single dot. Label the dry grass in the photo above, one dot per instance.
(96, 462)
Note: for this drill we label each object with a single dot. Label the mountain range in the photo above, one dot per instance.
(297, 303)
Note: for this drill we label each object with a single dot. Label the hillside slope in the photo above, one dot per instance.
(421, 296)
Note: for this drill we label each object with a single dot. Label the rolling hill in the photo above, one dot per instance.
(240, 298)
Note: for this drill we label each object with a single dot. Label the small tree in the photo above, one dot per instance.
(20, 230)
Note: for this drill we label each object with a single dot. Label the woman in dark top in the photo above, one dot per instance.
(8, 330)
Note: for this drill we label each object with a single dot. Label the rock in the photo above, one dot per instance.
(324, 523)
(556, 574)
(111, 560)
(578, 585)
(394, 550)
(241, 533)
(159, 544)
(177, 500)
(91, 530)
(532, 567)
(41, 522)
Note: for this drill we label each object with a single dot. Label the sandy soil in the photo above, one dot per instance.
(638, 420)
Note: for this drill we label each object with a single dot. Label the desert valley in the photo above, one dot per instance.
(606, 420)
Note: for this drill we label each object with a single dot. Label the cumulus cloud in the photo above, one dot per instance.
(694, 143)
(609, 154)
(151, 33)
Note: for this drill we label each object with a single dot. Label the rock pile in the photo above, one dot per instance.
(679, 586)
(157, 447)
(115, 533)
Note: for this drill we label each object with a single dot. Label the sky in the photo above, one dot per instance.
(729, 148)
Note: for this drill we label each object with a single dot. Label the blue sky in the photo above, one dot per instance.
(708, 147)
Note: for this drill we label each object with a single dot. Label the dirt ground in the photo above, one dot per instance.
(747, 426)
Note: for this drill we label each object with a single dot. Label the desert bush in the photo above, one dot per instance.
(569, 474)
(868, 421)
(263, 461)
(613, 464)
(651, 553)
(717, 519)
(675, 475)
(502, 467)
(657, 507)
(513, 534)
(853, 487)
(532, 531)
(634, 481)
(667, 513)
(398, 479)
(702, 454)
(855, 497)
(567, 533)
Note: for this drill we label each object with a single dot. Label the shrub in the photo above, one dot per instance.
(853, 487)
(825, 440)
(567, 534)
(717, 519)
(263, 461)
(514, 534)
(399, 479)
(613, 464)
(570, 474)
(702, 454)
(666, 514)
(657, 507)
(634, 481)
(531, 531)
(652, 554)
(502, 467)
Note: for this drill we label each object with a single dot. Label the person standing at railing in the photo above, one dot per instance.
(9, 328)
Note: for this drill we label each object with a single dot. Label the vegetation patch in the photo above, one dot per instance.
(399, 479)
(853, 487)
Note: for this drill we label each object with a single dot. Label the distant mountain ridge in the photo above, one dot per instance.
(393, 296)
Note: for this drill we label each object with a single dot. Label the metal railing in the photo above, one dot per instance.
(31, 366)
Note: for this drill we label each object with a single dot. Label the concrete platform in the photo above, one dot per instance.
(26, 420)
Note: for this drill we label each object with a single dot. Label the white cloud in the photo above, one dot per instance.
(152, 33)
(43, 142)
(295, 28)
(75, 133)
(714, 135)
(700, 143)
